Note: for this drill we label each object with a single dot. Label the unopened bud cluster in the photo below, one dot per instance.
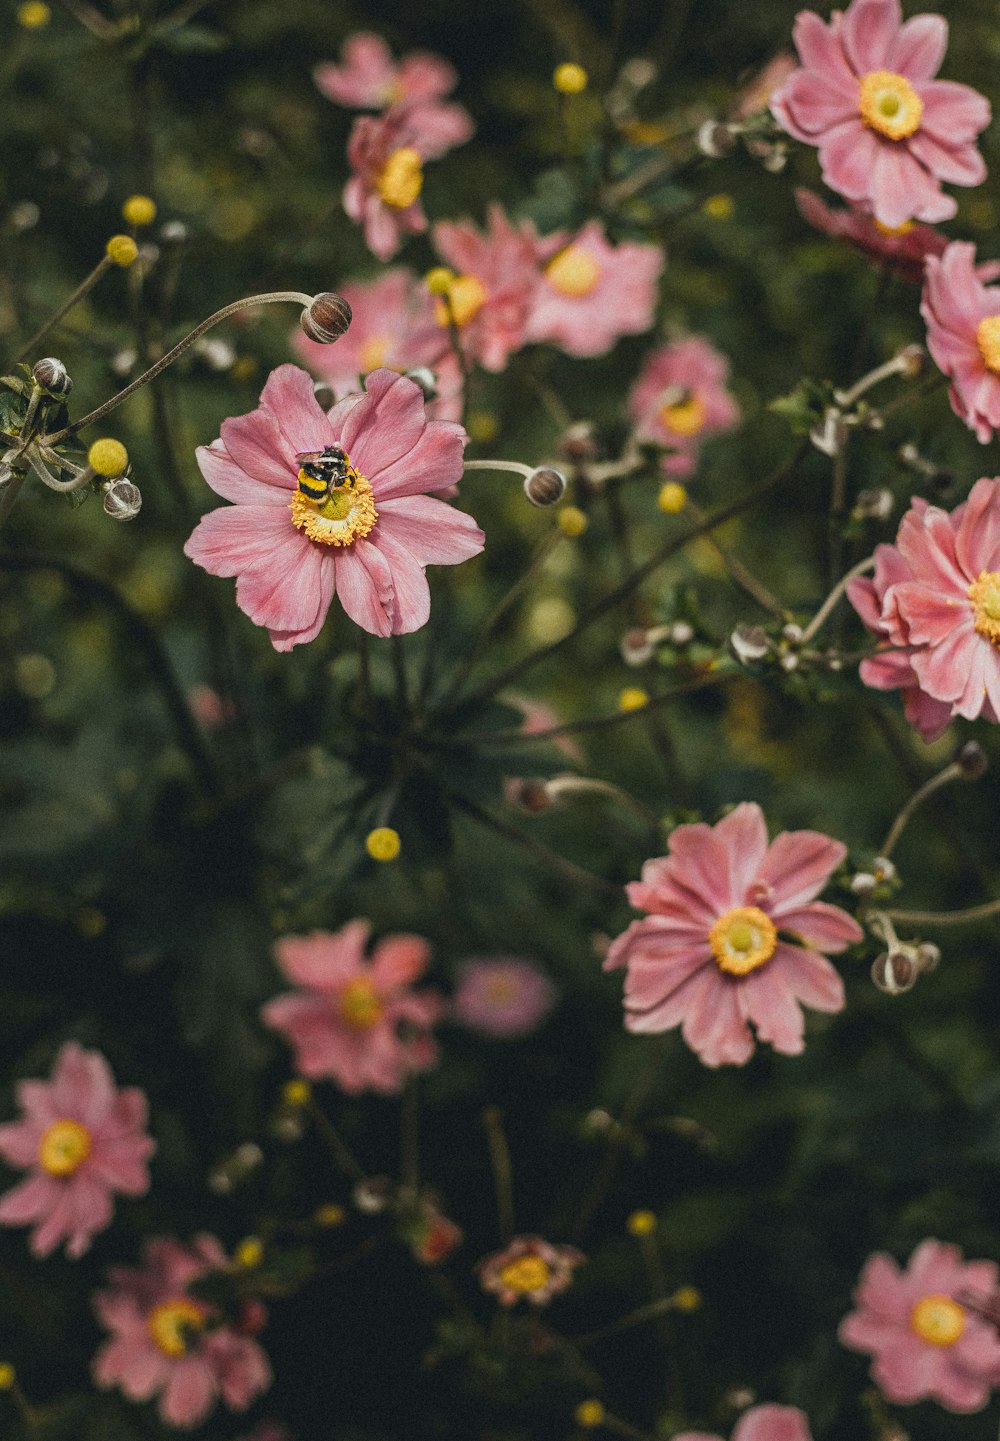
(899, 968)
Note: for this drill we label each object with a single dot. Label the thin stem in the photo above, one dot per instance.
(501, 1168)
(514, 466)
(340, 1151)
(409, 1151)
(743, 577)
(81, 290)
(838, 590)
(399, 671)
(838, 501)
(574, 785)
(650, 1312)
(950, 773)
(568, 870)
(946, 918)
(294, 296)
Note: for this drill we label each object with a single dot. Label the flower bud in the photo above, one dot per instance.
(972, 761)
(52, 377)
(545, 486)
(423, 376)
(531, 794)
(681, 633)
(863, 883)
(911, 360)
(327, 317)
(928, 957)
(715, 139)
(373, 1195)
(749, 643)
(122, 500)
(578, 444)
(884, 869)
(874, 504)
(174, 232)
(326, 396)
(894, 972)
(635, 647)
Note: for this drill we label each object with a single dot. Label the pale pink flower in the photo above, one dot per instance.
(494, 286)
(383, 193)
(369, 79)
(356, 1020)
(888, 133)
(963, 334)
(761, 1423)
(902, 250)
(505, 997)
(528, 1269)
(935, 601)
(925, 1343)
(755, 95)
(590, 292)
(392, 326)
(734, 935)
(166, 1342)
(209, 708)
(680, 398)
(81, 1139)
(369, 540)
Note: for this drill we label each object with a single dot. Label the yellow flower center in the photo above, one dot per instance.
(889, 104)
(985, 596)
(501, 989)
(742, 939)
(175, 1325)
(401, 178)
(938, 1320)
(573, 272)
(345, 514)
(685, 416)
(373, 352)
(359, 1004)
(65, 1146)
(527, 1273)
(988, 340)
(466, 297)
(894, 231)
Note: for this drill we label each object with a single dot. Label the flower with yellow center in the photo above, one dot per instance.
(373, 352)
(526, 1274)
(984, 594)
(938, 1320)
(347, 513)
(175, 1325)
(573, 272)
(988, 340)
(889, 104)
(64, 1147)
(359, 1005)
(401, 178)
(685, 416)
(743, 939)
(465, 297)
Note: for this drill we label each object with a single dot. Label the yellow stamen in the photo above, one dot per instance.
(985, 596)
(373, 352)
(347, 514)
(359, 1004)
(893, 231)
(401, 178)
(569, 78)
(383, 843)
(573, 272)
(743, 939)
(685, 416)
(65, 1146)
(889, 104)
(527, 1273)
(988, 340)
(173, 1325)
(466, 297)
(938, 1320)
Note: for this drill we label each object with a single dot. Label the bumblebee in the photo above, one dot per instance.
(321, 471)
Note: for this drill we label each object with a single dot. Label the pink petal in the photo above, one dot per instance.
(232, 482)
(868, 30)
(289, 397)
(943, 670)
(83, 1086)
(364, 585)
(678, 991)
(977, 541)
(232, 538)
(120, 1163)
(956, 164)
(189, 1393)
(906, 1371)
(847, 154)
(398, 961)
(434, 462)
(257, 446)
(385, 425)
(797, 867)
(322, 960)
(434, 532)
(133, 1364)
(19, 1142)
(715, 1026)
(810, 977)
(653, 979)
(977, 1350)
(702, 865)
(821, 926)
(817, 101)
(884, 1291)
(241, 1367)
(918, 49)
(772, 1423)
(953, 113)
(284, 590)
(411, 597)
(744, 834)
(819, 46)
(769, 1003)
(928, 617)
(56, 1225)
(92, 1210)
(30, 1200)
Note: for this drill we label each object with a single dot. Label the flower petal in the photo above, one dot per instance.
(868, 30)
(434, 532)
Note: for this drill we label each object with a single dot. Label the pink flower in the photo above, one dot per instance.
(494, 287)
(504, 998)
(925, 1343)
(370, 80)
(902, 250)
(169, 1343)
(529, 1269)
(755, 95)
(81, 1139)
(935, 600)
(292, 545)
(356, 1020)
(963, 334)
(762, 1423)
(383, 193)
(392, 325)
(709, 954)
(680, 398)
(590, 293)
(888, 133)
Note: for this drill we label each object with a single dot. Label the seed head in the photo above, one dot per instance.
(545, 486)
(326, 318)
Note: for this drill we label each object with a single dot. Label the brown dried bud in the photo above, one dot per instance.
(52, 377)
(635, 647)
(895, 972)
(530, 794)
(545, 486)
(972, 761)
(327, 318)
(578, 444)
(715, 139)
(749, 643)
(122, 500)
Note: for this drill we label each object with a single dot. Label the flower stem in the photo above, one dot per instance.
(971, 914)
(568, 870)
(950, 773)
(501, 1167)
(81, 290)
(743, 577)
(838, 590)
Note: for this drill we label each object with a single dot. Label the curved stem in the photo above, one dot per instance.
(950, 773)
(501, 1167)
(81, 290)
(568, 870)
(946, 918)
(838, 590)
